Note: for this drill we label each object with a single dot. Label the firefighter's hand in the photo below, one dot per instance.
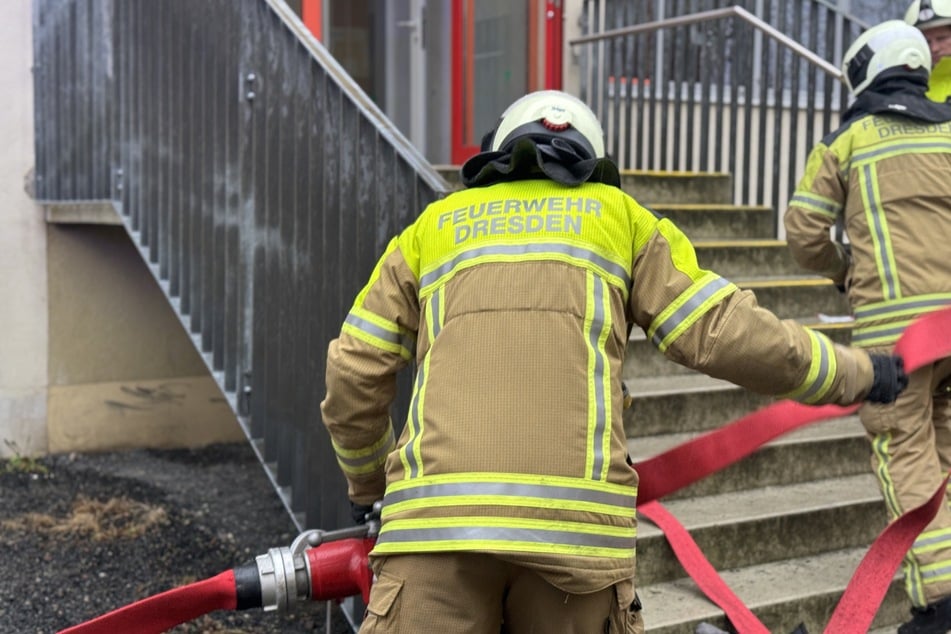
(846, 251)
(890, 378)
(360, 512)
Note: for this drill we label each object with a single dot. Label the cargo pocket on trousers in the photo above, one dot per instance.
(383, 596)
(626, 616)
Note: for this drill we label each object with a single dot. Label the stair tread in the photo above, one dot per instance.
(726, 207)
(667, 604)
(643, 447)
(706, 243)
(781, 280)
(644, 387)
(810, 321)
(767, 502)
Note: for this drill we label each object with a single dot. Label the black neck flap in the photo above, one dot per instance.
(900, 93)
(538, 158)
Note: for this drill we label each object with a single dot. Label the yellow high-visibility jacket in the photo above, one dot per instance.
(939, 85)
(515, 302)
(888, 178)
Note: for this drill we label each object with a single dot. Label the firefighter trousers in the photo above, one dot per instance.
(475, 593)
(911, 454)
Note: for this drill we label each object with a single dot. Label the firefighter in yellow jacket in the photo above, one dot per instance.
(933, 18)
(508, 501)
(886, 175)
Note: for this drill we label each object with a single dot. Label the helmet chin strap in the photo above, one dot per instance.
(557, 160)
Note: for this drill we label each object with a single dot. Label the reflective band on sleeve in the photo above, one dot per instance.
(368, 459)
(821, 371)
(379, 333)
(689, 307)
(817, 204)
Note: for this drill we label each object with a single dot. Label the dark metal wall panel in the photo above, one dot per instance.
(71, 93)
(259, 183)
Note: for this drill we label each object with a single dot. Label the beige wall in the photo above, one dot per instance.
(123, 373)
(91, 355)
(23, 302)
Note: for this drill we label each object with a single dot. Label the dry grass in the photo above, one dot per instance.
(117, 518)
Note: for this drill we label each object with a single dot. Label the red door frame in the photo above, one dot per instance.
(311, 13)
(554, 53)
(462, 81)
(462, 84)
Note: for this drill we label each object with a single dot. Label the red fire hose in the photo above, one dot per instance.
(321, 565)
(318, 566)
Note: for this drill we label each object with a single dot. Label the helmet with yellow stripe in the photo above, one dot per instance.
(547, 115)
(927, 14)
(893, 44)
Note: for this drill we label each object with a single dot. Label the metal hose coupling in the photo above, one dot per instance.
(318, 566)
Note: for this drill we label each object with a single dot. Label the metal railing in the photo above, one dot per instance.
(719, 89)
(259, 183)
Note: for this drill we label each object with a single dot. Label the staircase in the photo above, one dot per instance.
(787, 526)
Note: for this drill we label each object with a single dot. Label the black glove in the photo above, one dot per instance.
(890, 378)
(847, 250)
(359, 512)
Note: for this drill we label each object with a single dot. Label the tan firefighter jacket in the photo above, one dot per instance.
(514, 302)
(889, 179)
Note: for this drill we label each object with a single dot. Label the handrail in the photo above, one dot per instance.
(360, 99)
(715, 14)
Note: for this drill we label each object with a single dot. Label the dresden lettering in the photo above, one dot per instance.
(516, 216)
(889, 127)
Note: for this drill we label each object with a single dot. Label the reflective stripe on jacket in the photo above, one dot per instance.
(514, 302)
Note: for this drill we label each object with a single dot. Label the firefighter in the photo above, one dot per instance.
(933, 18)
(508, 499)
(885, 173)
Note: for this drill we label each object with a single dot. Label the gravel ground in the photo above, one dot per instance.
(82, 535)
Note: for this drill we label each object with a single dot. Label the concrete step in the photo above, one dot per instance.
(827, 449)
(708, 222)
(450, 173)
(652, 188)
(767, 524)
(746, 258)
(685, 403)
(644, 360)
(799, 296)
(781, 594)
(688, 403)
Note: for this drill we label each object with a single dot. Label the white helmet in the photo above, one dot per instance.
(891, 44)
(927, 14)
(548, 114)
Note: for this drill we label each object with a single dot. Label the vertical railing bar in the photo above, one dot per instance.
(161, 144)
(779, 125)
(769, 62)
(721, 90)
(221, 85)
(620, 83)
